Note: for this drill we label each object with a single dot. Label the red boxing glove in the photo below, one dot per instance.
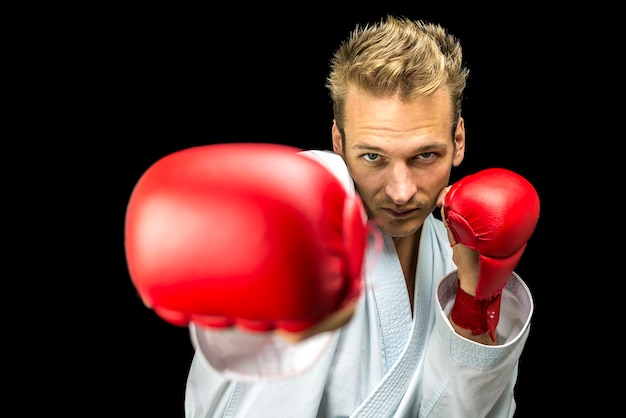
(244, 234)
(493, 212)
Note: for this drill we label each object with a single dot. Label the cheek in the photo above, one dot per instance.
(444, 175)
(369, 185)
(433, 181)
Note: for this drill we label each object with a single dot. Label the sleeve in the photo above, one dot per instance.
(243, 356)
(238, 373)
(474, 379)
(335, 164)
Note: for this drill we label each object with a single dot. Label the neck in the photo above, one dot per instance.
(407, 249)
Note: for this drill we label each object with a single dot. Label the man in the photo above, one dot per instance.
(429, 335)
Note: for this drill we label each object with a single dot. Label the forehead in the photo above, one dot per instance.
(380, 120)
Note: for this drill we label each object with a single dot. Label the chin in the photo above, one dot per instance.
(400, 229)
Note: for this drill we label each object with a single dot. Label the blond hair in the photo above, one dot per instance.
(410, 58)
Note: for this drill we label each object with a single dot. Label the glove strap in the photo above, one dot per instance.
(476, 315)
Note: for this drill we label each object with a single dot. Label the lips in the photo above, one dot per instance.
(399, 213)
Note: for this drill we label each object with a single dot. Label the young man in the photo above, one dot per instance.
(436, 331)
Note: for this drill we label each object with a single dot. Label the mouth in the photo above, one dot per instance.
(400, 213)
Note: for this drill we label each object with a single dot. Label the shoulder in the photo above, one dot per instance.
(435, 231)
(334, 163)
(437, 224)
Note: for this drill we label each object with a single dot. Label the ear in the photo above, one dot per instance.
(337, 140)
(459, 143)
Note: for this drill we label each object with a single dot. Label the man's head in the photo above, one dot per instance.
(397, 88)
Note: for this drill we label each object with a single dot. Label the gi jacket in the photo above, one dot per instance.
(385, 362)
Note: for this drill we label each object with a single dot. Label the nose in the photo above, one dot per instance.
(400, 186)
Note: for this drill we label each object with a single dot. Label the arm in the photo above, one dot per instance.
(490, 216)
(252, 237)
(466, 378)
(466, 261)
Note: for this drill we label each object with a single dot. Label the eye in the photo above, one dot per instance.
(371, 157)
(426, 156)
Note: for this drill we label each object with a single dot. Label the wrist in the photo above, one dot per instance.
(479, 316)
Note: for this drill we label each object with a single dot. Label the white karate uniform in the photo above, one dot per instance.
(385, 362)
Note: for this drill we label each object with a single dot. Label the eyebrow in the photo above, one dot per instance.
(363, 147)
(377, 150)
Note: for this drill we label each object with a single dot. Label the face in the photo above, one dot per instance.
(400, 156)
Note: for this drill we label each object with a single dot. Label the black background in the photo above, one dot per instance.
(155, 80)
